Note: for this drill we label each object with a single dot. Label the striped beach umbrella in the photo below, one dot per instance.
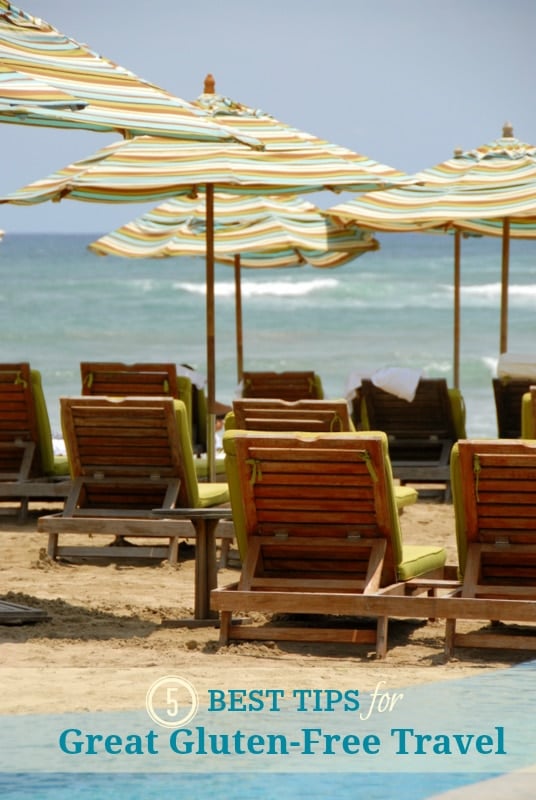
(490, 190)
(113, 98)
(261, 232)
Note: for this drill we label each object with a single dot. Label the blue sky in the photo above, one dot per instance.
(402, 81)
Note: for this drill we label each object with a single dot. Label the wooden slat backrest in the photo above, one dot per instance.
(498, 479)
(128, 380)
(508, 393)
(133, 440)
(280, 385)
(18, 419)
(428, 415)
(331, 487)
(301, 415)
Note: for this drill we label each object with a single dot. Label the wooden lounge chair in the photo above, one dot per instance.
(317, 527)
(421, 433)
(508, 394)
(127, 457)
(28, 468)
(115, 379)
(282, 385)
(315, 416)
(494, 491)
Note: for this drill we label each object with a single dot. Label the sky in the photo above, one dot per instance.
(404, 82)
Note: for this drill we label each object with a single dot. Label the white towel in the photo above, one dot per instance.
(400, 381)
(512, 365)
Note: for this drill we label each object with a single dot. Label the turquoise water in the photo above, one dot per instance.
(376, 786)
(61, 304)
(494, 708)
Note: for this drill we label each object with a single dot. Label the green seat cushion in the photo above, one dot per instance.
(213, 494)
(405, 496)
(60, 467)
(419, 559)
(201, 467)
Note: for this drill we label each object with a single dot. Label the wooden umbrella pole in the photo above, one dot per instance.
(503, 343)
(457, 315)
(238, 315)
(211, 339)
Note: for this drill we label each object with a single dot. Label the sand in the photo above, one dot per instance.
(109, 637)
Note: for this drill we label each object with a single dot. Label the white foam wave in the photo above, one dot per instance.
(262, 288)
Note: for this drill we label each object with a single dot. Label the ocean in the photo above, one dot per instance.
(61, 304)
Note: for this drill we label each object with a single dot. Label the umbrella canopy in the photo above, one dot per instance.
(265, 231)
(148, 168)
(252, 232)
(114, 99)
(487, 191)
(20, 94)
(280, 136)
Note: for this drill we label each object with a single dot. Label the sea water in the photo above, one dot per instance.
(61, 304)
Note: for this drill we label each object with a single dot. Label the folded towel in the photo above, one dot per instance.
(400, 381)
(512, 365)
(196, 378)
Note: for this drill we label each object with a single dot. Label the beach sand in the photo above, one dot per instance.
(108, 635)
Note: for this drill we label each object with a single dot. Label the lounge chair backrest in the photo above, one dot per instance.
(493, 485)
(19, 433)
(280, 415)
(508, 394)
(282, 385)
(24, 416)
(115, 379)
(141, 442)
(128, 380)
(331, 485)
(428, 415)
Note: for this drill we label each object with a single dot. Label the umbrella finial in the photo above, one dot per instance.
(508, 130)
(458, 152)
(210, 84)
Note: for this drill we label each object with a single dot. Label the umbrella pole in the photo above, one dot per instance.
(211, 347)
(503, 344)
(457, 281)
(238, 317)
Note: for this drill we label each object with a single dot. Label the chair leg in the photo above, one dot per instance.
(173, 550)
(450, 633)
(381, 637)
(52, 549)
(225, 626)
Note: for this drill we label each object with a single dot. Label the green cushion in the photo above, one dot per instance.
(197, 495)
(405, 496)
(201, 467)
(419, 559)
(459, 513)
(51, 464)
(213, 494)
(527, 417)
(457, 405)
